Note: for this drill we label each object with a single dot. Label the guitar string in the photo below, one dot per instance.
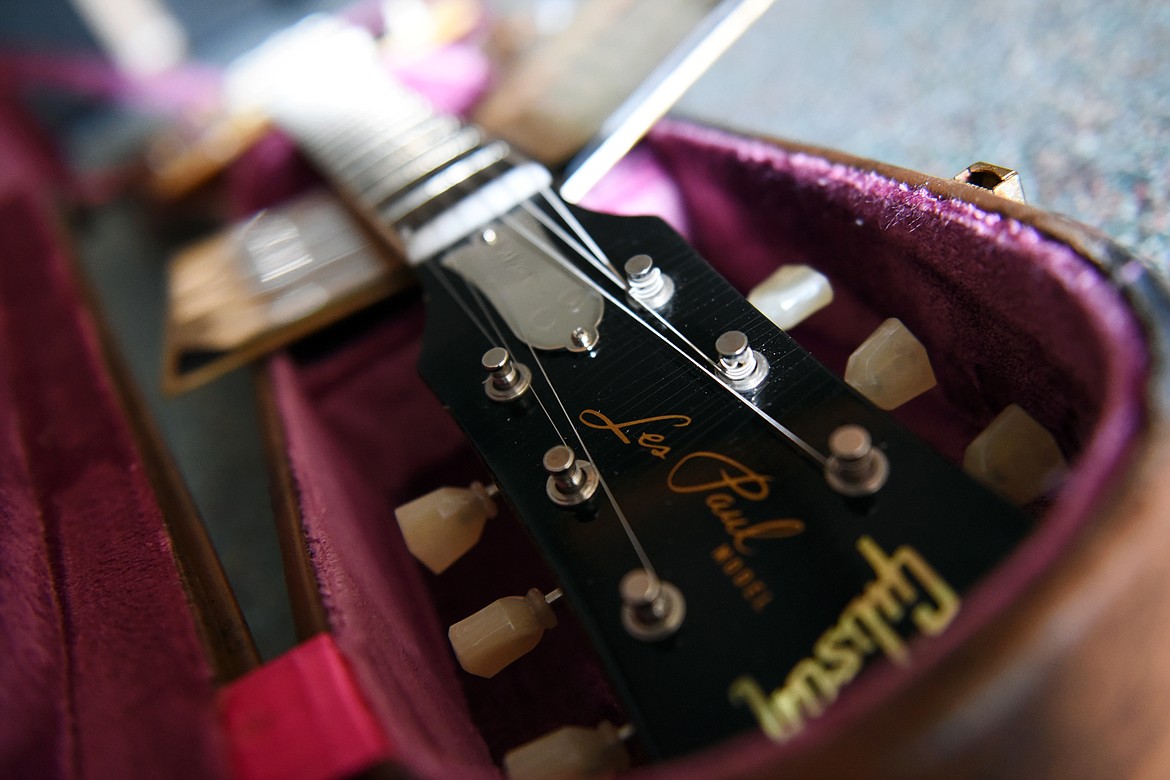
(606, 267)
(803, 446)
(635, 543)
(603, 264)
(442, 275)
(477, 296)
(450, 288)
(639, 550)
(627, 527)
(581, 232)
(546, 248)
(598, 261)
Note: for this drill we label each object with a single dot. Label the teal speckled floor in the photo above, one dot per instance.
(1073, 94)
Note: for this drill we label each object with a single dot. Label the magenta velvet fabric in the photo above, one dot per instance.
(302, 715)
(1008, 315)
(102, 674)
(101, 671)
(364, 437)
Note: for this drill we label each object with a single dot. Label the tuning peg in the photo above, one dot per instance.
(855, 467)
(1015, 456)
(445, 523)
(890, 367)
(648, 285)
(791, 295)
(502, 631)
(570, 752)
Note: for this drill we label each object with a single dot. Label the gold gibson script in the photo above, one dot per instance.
(865, 627)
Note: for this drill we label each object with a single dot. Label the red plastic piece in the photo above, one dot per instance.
(301, 717)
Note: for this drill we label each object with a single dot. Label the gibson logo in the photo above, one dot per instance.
(865, 627)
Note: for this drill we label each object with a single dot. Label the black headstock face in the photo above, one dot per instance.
(791, 588)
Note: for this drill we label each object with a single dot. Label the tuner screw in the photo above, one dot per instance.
(648, 285)
(742, 367)
(507, 380)
(855, 467)
(570, 481)
(583, 339)
(652, 609)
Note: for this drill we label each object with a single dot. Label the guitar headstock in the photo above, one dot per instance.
(738, 530)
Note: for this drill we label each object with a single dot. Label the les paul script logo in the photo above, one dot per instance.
(649, 440)
(725, 485)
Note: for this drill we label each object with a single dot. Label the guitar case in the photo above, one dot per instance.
(124, 655)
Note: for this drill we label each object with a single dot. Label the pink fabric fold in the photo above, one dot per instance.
(102, 673)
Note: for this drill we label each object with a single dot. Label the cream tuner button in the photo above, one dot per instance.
(1016, 457)
(445, 523)
(502, 631)
(890, 367)
(570, 752)
(791, 295)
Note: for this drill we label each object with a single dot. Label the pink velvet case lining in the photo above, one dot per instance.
(101, 658)
(1007, 314)
(102, 673)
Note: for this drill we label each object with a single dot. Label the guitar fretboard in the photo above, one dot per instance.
(424, 177)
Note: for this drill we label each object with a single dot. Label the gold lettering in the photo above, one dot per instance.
(745, 690)
(717, 502)
(753, 590)
(805, 693)
(740, 479)
(867, 610)
(929, 620)
(842, 661)
(652, 442)
(865, 626)
(770, 529)
(740, 530)
(813, 689)
(595, 419)
(723, 479)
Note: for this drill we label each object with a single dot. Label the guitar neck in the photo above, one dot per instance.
(408, 170)
(666, 445)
